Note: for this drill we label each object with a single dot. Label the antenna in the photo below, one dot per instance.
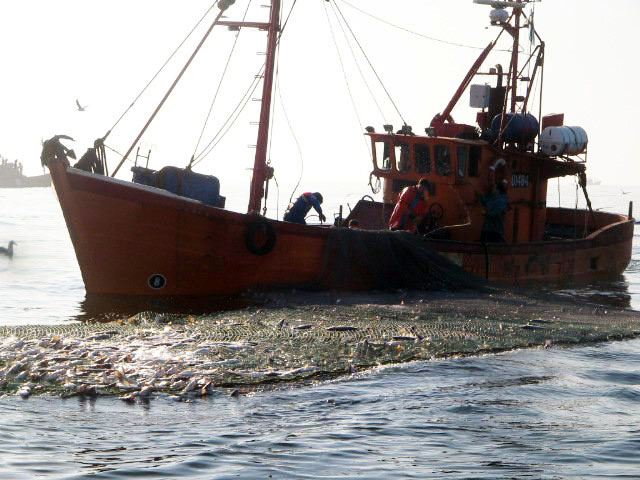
(499, 15)
(501, 4)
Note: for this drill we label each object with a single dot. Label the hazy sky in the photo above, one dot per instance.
(104, 52)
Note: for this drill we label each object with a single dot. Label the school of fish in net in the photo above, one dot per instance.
(183, 357)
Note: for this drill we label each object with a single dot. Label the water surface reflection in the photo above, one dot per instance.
(555, 413)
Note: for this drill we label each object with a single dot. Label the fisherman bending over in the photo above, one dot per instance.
(411, 208)
(496, 204)
(297, 212)
(89, 162)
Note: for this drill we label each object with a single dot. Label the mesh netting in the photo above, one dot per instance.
(361, 259)
(288, 340)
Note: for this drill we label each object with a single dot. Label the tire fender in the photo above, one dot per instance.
(251, 237)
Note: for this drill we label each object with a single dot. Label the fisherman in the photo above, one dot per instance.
(496, 204)
(411, 207)
(89, 162)
(297, 212)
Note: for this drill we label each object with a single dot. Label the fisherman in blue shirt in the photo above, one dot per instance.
(496, 204)
(300, 208)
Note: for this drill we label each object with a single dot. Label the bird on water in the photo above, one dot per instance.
(9, 250)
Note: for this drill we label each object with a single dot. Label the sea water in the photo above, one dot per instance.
(542, 413)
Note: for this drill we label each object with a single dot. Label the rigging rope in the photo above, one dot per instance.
(295, 138)
(531, 41)
(243, 102)
(369, 62)
(344, 73)
(230, 121)
(534, 91)
(284, 25)
(364, 79)
(575, 214)
(215, 97)
(412, 32)
(433, 39)
(159, 71)
(559, 197)
(115, 151)
(223, 7)
(277, 197)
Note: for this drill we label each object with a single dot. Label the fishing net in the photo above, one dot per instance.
(291, 338)
(362, 259)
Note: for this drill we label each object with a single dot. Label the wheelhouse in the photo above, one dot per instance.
(459, 173)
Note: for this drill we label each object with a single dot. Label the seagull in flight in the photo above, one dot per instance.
(80, 107)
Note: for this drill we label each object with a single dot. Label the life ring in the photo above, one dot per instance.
(260, 237)
(500, 162)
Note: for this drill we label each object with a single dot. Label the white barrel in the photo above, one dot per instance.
(564, 140)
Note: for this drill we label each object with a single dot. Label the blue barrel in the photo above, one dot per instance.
(205, 188)
(518, 127)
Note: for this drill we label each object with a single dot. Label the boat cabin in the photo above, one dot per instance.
(459, 174)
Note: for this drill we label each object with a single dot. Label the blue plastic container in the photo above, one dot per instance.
(517, 127)
(205, 188)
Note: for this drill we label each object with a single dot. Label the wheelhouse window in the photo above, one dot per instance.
(403, 161)
(398, 184)
(422, 155)
(474, 161)
(443, 160)
(462, 153)
(383, 155)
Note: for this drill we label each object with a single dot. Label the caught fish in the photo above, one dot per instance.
(341, 328)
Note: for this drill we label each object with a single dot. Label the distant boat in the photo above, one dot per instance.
(11, 176)
(593, 181)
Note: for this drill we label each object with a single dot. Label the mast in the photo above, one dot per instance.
(260, 164)
(514, 57)
(514, 31)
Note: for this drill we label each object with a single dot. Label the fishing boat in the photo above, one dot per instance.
(167, 232)
(11, 176)
(593, 181)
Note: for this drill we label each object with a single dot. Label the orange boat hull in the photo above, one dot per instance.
(604, 253)
(131, 239)
(124, 234)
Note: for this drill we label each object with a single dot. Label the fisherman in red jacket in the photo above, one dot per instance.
(411, 207)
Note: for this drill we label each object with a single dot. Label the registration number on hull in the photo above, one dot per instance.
(520, 180)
